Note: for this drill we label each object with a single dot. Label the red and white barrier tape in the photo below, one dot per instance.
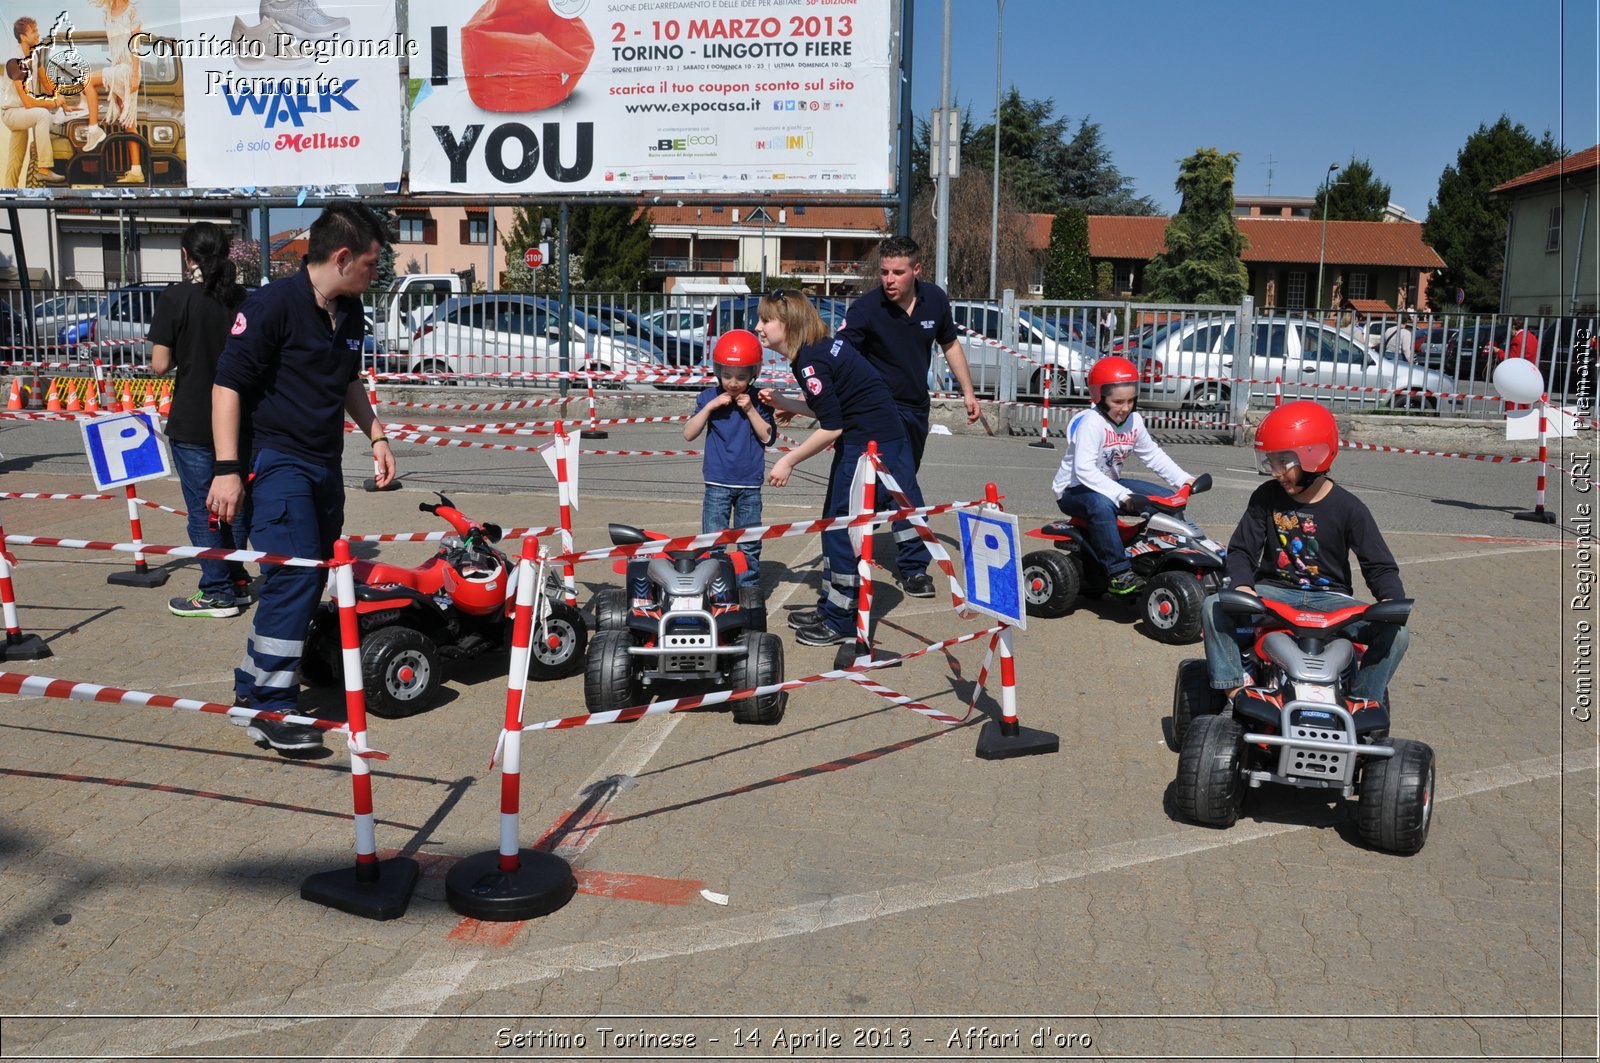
(896, 698)
(89, 498)
(721, 696)
(210, 553)
(958, 596)
(731, 536)
(1495, 459)
(434, 536)
(476, 407)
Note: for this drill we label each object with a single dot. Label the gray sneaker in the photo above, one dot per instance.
(304, 17)
(202, 604)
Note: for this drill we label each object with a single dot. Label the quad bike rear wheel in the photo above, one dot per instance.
(1050, 582)
(1193, 697)
(400, 672)
(1170, 605)
(557, 643)
(319, 666)
(754, 606)
(610, 681)
(761, 666)
(610, 606)
(1210, 787)
(1396, 797)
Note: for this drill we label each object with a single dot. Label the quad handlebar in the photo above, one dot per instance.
(468, 529)
(1175, 502)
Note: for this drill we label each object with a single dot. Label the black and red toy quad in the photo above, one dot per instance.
(682, 616)
(456, 605)
(1298, 725)
(1178, 564)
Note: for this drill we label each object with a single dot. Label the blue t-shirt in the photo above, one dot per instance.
(845, 391)
(292, 368)
(734, 456)
(900, 345)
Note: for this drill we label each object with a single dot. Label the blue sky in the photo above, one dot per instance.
(1290, 87)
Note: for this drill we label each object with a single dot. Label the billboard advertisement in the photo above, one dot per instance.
(165, 94)
(566, 96)
(292, 93)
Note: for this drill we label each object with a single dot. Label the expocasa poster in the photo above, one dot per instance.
(292, 93)
(626, 96)
(107, 102)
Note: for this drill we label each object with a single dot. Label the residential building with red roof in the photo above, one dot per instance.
(1553, 238)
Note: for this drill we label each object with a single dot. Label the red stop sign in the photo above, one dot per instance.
(533, 257)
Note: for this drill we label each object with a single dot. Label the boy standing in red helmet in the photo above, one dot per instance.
(739, 428)
(1089, 483)
(1293, 544)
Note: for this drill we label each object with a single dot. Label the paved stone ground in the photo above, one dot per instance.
(879, 876)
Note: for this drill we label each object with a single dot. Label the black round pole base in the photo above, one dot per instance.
(370, 484)
(1537, 516)
(380, 896)
(24, 648)
(1042, 444)
(594, 433)
(541, 884)
(995, 744)
(146, 577)
(848, 655)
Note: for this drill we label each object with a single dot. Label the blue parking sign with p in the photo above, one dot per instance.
(992, 555)
(125, 448)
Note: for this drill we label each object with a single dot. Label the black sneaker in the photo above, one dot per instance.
(244, 591)
(1124, 583)
(203, 604)
(804, 618)
(284, 737)
(820, 634)
(918, 586)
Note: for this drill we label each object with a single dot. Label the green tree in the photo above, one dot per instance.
(1067, 274)
(1202, 263)
(386, 256)
(1355, 195)
(609, 248)
(1464, 226)
(525, 232)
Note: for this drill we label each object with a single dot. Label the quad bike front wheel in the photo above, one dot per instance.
(1170, 605)
(1396, 797)
(400, 672)
(1210, 785)
(1050, 582)
(761, 666)
(557, 643)
(609, 679)
(1193, 697)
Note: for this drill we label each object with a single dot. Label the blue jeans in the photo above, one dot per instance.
(735, 507)
(217, 578)
(1386, 643)
(1105, 542)
(297, 510)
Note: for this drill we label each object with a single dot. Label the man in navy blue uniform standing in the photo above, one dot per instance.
(896, 325)
(291, 370)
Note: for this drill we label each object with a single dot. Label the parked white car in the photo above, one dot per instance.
(1197, 366)
(519, 334)
(687, 323)
(1039, 339)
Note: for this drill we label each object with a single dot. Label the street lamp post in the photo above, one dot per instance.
(1322, 249)
(994, 204)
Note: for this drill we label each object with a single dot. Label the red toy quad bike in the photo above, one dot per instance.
(682, 616)
(1299, 725)
(1178, 563)
(455, 605)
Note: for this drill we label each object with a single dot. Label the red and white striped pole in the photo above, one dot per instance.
(142, 575)
(1008, 686)
(18, 647)
(377, 466)
(1541, 515)
(511, 882)
(1277, 391)
(569, 575)
(368, 889)
(1043, 442)
(594, 431)
(864, 560)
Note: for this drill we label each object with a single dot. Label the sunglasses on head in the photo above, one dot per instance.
(778, 295)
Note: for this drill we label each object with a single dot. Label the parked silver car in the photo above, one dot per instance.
(1191, 362)
(1040, 339)
(519, 334)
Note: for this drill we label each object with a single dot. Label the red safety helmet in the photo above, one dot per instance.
(737, 348)
(1109, 371)
(1304, 429)
(479, 584)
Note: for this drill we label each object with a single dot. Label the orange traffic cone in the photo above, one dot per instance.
(74, 403)
(52, 398)
(14, 400)
(127, 398)
(165, 409)
(91, 402)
